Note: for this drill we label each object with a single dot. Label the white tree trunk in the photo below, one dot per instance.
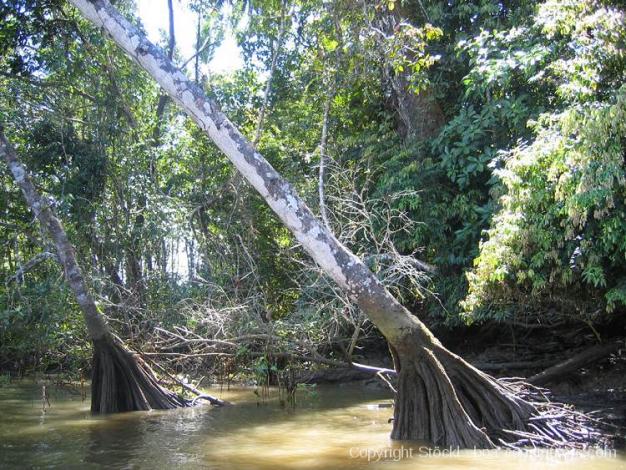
(393, 320)
(96, 326)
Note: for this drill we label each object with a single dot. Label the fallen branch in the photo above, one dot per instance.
(190, 388)
(495, 366)
(574, 363)
(373, 369)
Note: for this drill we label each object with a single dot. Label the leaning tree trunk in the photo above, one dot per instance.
(121, 381)
(440, 398)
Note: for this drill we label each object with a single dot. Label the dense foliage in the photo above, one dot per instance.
(485, 138)
(557, 239)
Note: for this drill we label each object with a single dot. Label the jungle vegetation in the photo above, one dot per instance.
(470, 153)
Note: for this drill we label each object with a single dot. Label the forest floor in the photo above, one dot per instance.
(509, 354)
(599, 386)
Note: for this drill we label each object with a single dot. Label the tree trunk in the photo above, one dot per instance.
(419, 115)
(440, 397)
(444, 400)
(322, 168)
(121, 381)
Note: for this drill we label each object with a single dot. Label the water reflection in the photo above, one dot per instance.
(337, 427)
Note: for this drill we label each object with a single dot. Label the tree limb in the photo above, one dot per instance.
(30, 264)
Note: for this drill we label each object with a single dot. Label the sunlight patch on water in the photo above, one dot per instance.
(333, 427)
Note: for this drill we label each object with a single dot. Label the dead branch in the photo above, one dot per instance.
(576, 362)
(30, 264)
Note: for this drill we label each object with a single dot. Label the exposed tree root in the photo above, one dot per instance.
(199, 395)
(444, 400)
(122, 381)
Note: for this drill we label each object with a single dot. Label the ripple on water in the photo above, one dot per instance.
(336, 427)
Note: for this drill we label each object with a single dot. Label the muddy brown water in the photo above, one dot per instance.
(334, 427)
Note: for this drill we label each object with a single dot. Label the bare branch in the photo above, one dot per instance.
(30, 264)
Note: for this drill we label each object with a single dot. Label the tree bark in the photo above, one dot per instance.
(120, 380)
(440, 398)
(419, 115)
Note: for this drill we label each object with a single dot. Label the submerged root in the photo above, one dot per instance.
(122, 381)
(444, 400)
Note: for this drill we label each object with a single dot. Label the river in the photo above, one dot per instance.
(331, 428)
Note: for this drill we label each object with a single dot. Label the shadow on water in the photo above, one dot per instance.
(334, 427)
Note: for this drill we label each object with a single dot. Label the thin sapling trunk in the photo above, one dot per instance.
(121, 381)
